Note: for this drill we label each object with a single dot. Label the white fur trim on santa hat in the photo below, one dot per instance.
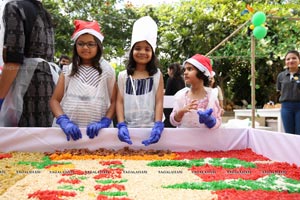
(199, 66)
(144, 29)
(213, 73)
(90, 31)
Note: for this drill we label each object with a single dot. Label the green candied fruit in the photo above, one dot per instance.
(110, 181)
(218, 162)
(116, 194)
(46, 161)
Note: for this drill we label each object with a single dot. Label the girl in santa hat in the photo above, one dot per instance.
(198, 105)
(140, 94)
(86, 90)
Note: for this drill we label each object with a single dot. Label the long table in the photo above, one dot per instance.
(274, 145)
(274, 112)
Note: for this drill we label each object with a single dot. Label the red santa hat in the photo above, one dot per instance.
(202, 63)
(82, 27)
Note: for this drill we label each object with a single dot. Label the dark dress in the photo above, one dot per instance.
(173, 85)
(29, 34)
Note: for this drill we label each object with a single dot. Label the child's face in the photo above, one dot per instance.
(142, 53)
(86, 47)
(190, 74)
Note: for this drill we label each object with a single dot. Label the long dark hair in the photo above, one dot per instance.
(76, 60)
(205, 78)
(151, 66)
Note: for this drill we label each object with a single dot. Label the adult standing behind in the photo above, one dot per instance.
(86, 90)
(27, 43)
(140, 94)
(175, 83)
(213, 84)
(63, 60)
(288, 84)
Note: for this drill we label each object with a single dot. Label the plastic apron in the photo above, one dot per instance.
(191, 119)
(139, 110)
(12, 106)
(84, 103)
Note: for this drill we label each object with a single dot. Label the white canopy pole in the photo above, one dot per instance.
(253, 80)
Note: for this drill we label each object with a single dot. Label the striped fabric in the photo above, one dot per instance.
(87, 94)
(142, 86)
(88, 75)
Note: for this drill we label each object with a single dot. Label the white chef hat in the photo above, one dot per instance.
(144, 29)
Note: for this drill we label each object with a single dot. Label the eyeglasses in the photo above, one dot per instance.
(88, 44)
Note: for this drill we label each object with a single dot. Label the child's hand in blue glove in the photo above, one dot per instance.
(94, 128)
(206, 118)
(69, 128)
(155, 133)
(123, 133)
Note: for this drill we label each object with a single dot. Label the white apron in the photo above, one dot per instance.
(139, 110)
(84, 103)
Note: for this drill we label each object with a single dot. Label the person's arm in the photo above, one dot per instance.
(217, 113)
(158, 127)
(57, 96)
(9, 74)
(178, 115)
(221, 99)
(120, 107)
(112, 90)
(94, 127)
(112, 108)
(69, 128)
(159, 100)
(220, 96)
(123, 133)
(278, 83)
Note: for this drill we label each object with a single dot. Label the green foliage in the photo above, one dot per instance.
(193, 26)
(115, 23)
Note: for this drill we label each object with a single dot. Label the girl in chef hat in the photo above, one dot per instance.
(140, 94)
(86, 90)
(197, 106)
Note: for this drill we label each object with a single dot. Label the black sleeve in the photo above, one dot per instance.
(170, 87)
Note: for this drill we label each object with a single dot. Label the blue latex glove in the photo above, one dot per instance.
(155, 133)
(93, 128)
(1, 102)
(69, 128)
(206, 118)
(123, 133)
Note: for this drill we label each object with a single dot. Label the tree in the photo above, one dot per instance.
(193, 26)
(198, 26)
(115, 23)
